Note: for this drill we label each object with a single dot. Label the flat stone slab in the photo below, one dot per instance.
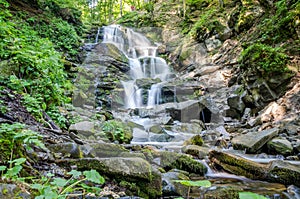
(253, 141)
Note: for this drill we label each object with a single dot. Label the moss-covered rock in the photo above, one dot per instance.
(284, 172)
(195, 140)
(133, 170)
(223, 192)
(171, 160)
(238, 165)
(196, 150)
(280, 146)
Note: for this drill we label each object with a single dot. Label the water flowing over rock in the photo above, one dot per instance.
(144, 64)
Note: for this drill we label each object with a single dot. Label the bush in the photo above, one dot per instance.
(117, 131)
(263, 59)
(36, 69)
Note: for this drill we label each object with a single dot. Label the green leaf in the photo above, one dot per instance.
(3, 168)
(50, 175)
(199, 183)
(37, 186)
(94, 176)
(14, 171)
(60, 182)
(18, 161)
(75, 174)
(250, 195)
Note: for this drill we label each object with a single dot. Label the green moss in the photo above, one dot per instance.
(170, 160)
(223, 192)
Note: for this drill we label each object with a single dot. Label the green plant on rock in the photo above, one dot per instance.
(117, 131)
(206, 26)
(263, 59)
(15, 139)
(189, 184)
(59, 188)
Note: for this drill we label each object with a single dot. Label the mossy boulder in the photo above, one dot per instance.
(195, 150)
(280, 146)
(195, 140)
(223, 192)
(276, 171)
(133, 170)
(171, 160)
(247, 17)
(84, 128)
(238, 165)
(284, 172)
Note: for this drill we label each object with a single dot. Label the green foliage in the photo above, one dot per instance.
(12, 172)
(116, 131)
(263, 59)
(60, 33)
(54, 188)
(282, 25)
(250, 195)
(206, 26)
(14, 139)
(36, 68)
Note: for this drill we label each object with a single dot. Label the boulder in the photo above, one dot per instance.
(171, 188)
(84, 128)
(280, 146)
(134, 169)
(171, 160)
(276, 171)
(102, 150)
(12, 191)
(186, 111)
(253, 141)
(284, 172)
(238, 165)
(66, 150)
(198, 151)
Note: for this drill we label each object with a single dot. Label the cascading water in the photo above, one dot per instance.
(143, 62)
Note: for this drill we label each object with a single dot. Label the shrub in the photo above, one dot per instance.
(117, 131)
(263, 59)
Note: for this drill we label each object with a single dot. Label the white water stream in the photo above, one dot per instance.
(143, 62)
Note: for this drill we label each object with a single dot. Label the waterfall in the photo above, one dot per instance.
(143, 62)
